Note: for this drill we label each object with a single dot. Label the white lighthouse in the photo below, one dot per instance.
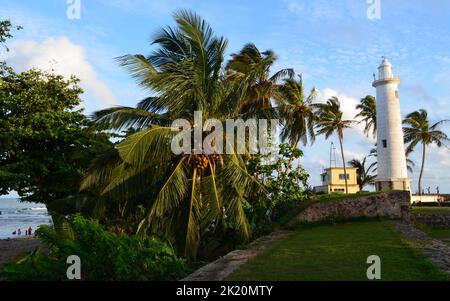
(391, 169)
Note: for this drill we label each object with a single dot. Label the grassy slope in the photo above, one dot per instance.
(430, 210)
(435, 232)
(339, 252)
(438, 233)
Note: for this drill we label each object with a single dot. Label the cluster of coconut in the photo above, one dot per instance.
(201, 161)
(217, 159)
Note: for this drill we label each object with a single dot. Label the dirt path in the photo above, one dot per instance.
(437, 250)
(11, 249)
(224, 266)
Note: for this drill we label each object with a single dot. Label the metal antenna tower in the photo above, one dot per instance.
(332, 155)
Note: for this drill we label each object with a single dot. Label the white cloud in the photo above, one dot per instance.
(439, 155)
(349, 155)
(437, 161)
(64, 57)
(348, 106)
(314, 161)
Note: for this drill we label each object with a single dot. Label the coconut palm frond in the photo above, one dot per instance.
(139, 67)
(250, 71)
(329, 120)
(364, 177)
(101, 169)
(122, 118)
(417, 130)
(192, 231)
(368, 112)
(297, 112)
(148, 145)
(236, 210)
(172, 191)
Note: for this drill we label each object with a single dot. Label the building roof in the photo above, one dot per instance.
(339, 168)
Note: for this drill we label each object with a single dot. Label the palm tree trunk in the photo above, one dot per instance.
(343, 161)
(421, 168)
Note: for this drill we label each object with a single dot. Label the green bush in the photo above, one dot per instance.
(285, 183)
(104, 256)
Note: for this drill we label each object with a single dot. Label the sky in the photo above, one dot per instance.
(336, 45)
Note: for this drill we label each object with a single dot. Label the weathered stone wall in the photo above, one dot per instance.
(432, 219)
(394, 205)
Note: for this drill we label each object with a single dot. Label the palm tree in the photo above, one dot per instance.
(368, 111)
(329, 121)
(418, 130)
(296, 112)
(363, 175)
(187, 194)
(250, 70)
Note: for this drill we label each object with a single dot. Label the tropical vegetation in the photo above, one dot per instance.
(134, 209)
(105, 256)
(192, 195)
(368, 112)
(330, 121)
(46, 142)
(419, 130)
(363, 173)
(297, 112)
(256, 87)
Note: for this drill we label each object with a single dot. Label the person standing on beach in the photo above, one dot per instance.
(19, 232)
(30, 231)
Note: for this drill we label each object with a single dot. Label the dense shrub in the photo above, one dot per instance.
(285, 186)
(104, 256)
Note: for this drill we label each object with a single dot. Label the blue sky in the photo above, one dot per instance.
(333, 43)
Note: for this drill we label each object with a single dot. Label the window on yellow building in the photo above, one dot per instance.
(342, 177)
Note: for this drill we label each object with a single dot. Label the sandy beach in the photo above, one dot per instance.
(11, 249)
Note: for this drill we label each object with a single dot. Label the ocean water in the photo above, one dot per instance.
(20, 215)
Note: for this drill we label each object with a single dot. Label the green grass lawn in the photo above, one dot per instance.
(435, 232)
(438, 233)
(339, 252)
(341, 196)
(441, 210)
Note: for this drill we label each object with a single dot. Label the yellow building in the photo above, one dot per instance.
(333, 180)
